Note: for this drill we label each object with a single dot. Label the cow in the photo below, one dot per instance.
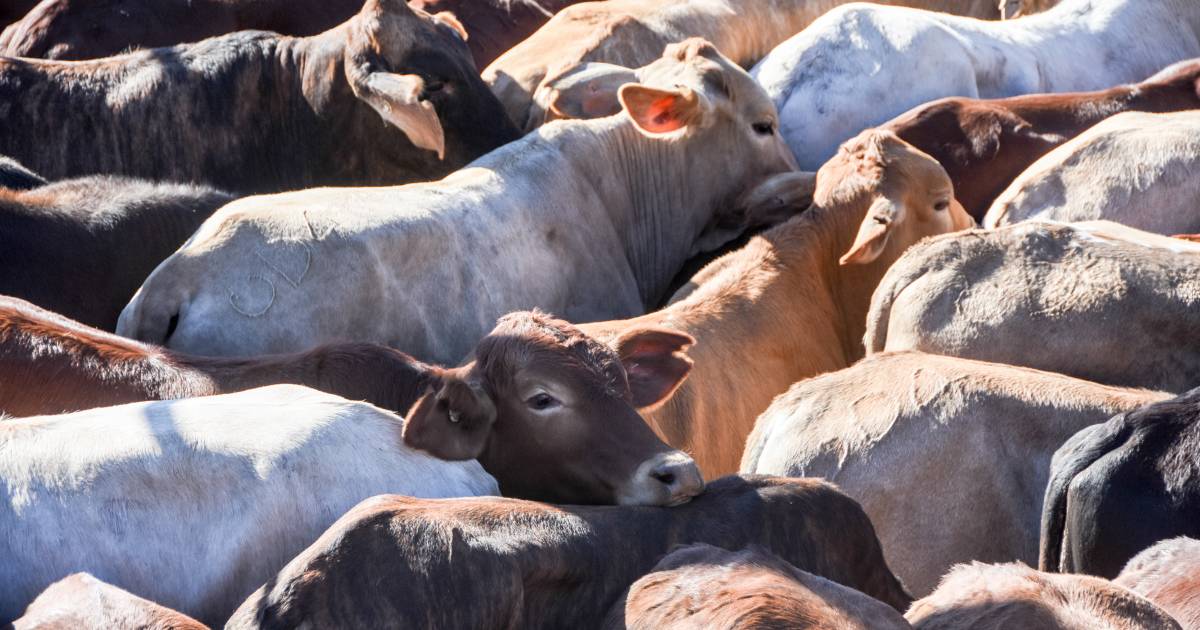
(984, 144)
(702, 586)
(494, 26)
(980, 596)
(530, 369)
(794, 300)
(861, 64)
(82, 247)
(14, 175)
(1168, 574)
(1119, 487)
(596, 36)
(89, 29)
(257, 475)
(876, 429)
(389, 96)
(192, 503)
(586, 219)
(399, 562)
(81, 602)
(1094, 300)
(1010, 9)
(1092, 177)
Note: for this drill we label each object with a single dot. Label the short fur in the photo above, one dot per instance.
(1119, 487)
(254, 111)
(82, 247)
(81, 602)
(396, 562)
(702, 586)
(1168, 574)
(882, 428)
(1008, 596)
(14, 176)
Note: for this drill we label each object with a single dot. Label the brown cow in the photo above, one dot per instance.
(794, 300)
(82, 247)
(701, 586)
(398, 562)
(985, 143)
(81, 602)
(88, 29)
(389, 96)
(1168, 574)
(1009, 596)
(494, 26)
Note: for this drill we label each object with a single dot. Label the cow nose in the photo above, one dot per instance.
(680, 475)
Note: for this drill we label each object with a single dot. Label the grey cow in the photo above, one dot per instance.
(1095, 300)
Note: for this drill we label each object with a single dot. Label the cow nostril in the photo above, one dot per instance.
(665, 477)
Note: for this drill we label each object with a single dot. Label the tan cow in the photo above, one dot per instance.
(1014, 596)
(949, 457)
(793, 302)
(705, 587)
(1168, 574)
(81, 602)
(632, 33)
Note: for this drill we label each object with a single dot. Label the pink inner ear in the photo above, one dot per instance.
(660, 117)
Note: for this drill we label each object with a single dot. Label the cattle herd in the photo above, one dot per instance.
(635, 314)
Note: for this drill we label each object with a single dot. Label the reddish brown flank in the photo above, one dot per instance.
(985, 144)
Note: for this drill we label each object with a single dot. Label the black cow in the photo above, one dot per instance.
(1119, 487)
(82, 247)
(380, 99)
(399, 562)
(14, 175)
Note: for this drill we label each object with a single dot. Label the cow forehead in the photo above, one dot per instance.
(874, 162)
(712, 75)
(550, 347)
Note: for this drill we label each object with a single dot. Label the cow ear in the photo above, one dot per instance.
(452, 421)
(655, 361)
(397, 97)
(777, 199)
(656, 111)
(880, 223)
(588, 90)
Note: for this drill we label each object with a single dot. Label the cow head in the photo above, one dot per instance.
(415, 70)
(553, 414)
(905, 195)
(694, 96)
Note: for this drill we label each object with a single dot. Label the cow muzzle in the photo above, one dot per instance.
(666, 479)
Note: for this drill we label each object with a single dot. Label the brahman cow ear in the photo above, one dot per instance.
(397, 97)
(453, 422)
(777, 199)
(880, 222)
(656, 111)
(655, 361)
(588, 90)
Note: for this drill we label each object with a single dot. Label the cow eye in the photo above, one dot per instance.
(941, 205)
(763, 128)
(542, 402)
(434, 85)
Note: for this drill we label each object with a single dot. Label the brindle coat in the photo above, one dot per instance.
(259, 112)
(398, 562)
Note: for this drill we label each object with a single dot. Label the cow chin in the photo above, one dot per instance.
(665, 479)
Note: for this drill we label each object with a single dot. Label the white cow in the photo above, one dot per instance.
(194, 503)
(1136, 169)
(862, 64)
(587, 219)
(949, 457)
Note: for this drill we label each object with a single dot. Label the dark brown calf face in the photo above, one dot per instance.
(552, 414)
(415, 70)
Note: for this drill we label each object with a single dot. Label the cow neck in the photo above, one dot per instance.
(763, 24)
(779, 305)
(653, 189)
